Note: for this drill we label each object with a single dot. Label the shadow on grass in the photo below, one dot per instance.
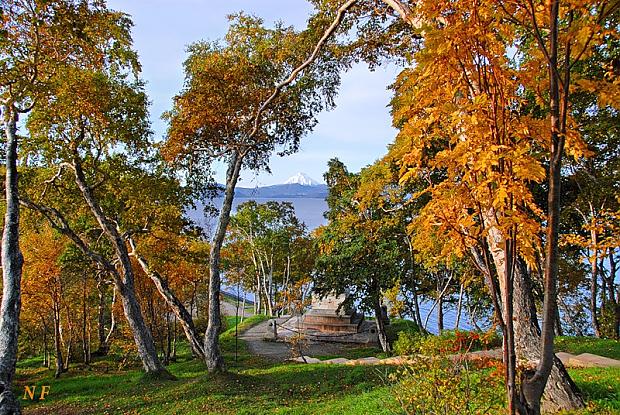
(261, 389)
(599, 385)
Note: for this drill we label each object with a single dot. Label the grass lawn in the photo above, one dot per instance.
(577, 345)
(251, 386)
(601, 388)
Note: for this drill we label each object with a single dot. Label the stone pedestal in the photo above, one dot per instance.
(325, 317)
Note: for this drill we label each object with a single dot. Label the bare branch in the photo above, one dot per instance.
(315, 53)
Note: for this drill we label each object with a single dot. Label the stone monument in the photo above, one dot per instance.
(326, 315)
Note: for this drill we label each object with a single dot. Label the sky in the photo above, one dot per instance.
(357, 131)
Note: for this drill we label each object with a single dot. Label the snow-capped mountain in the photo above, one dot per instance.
(302, 179)
(298, 186)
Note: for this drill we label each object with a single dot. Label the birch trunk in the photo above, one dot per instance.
(459, 307)
(213, 355)
(594, 283)
(383, 340)
(12, 261)
(101, 308)
(560, 393)
(57, 343)
(173, 302)
(124, 282)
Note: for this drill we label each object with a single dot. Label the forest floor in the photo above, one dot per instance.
(255, 385)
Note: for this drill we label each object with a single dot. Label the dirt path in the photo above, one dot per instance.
(229, 309)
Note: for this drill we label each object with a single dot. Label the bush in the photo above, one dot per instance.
(440, 385)
(448, 342)
(459, 341)
(399, 325)
(404, 335)
(408, 342)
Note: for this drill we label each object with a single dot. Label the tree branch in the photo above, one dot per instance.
(315, 53)
(60, 223)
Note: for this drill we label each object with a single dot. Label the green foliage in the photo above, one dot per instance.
(408, 343)
(405, 336)
(361, 249)
(267, 241)
(400, 325)
(443, 386)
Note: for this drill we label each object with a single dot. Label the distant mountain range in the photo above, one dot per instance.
(298, 186)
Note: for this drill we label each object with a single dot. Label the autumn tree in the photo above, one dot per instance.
(480, 120)
(43, 285)
(245, 97)
(550, 39)
(273, 244)
(88, 114)
(36, 39)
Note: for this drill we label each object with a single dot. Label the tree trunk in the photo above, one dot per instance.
(168, 350)
(242, 309)
(141, 334)
(534, 382)
(57, 343)
(213, 355)
(125, 283)
(612, 292)
(560, 393)
(12, 261)
(174, 340)
(439, 314)
(85, 345)
(112, 320)
(594, 284)
(510, 358)
(558, 323)
(173, 302)
(45, 362)
(101, 311)
(383, 340)
(416, 308)
(459, 307)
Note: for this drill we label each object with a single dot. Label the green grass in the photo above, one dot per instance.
(251, 386)
(601, 388)
(577, 345)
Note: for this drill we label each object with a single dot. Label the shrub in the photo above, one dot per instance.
(458, 341)
(408, 342)
(443, 386)
(399, 325)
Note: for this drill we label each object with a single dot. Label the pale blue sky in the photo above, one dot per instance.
(357, 131)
